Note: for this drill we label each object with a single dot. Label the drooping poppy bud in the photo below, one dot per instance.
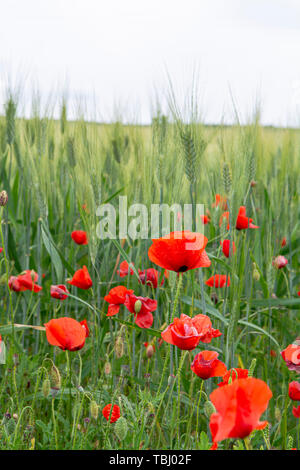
(3, 198)
(94, 410)
(46, 387)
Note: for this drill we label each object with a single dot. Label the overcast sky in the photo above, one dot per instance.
(116, 53)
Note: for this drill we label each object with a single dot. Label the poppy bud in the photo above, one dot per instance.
(251, 368)
(94, 409)
(3, 198)
(149, 351)
(256, 275)
(277, 414)
(137, 306)
(121, 428)
(107, 368)
(119, 347)
(253, 184)
(209, 409)
(46, 387)
(214, 298)
(55, 378)
(171, 380)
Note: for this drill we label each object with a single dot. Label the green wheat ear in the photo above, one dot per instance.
(63, 117)
(190, 154)
(227, 179)
(10, 116)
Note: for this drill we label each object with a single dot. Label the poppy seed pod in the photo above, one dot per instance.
(94, 410)
(137, 306)
(3, 198)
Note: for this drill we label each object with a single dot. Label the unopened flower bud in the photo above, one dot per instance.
(209, 409)
(121, 428)
(55, 378)
(94, 410)
(46, 387)
(3, 198)
(253, 184)
(256, 275)
(171, 380)
(277, 414)
(149, 351)
(119, 347)
(107, 368)
(137, 306)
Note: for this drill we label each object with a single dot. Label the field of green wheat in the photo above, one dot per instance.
(115, 381)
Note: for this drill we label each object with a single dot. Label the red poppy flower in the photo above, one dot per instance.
(142, 308)
(66, 333)
(59, 292)
(180, 251)
(239, 407)
(218, 280)
(206, 364)
(294, 391)
(114, 414)
(115, 298)
(24, 281)
(186, 332)
(228, 248)
(296, 411)
(283, 242)
(291, 356)
(204, 219)
(124, 269)
(220, 201)
(150, 277)
(81, 279)
(1, 249)
(79, 237)
(84, 325)
(298, 293)
(233, 374)
(242, 222)
(273, 353)
(279, 262)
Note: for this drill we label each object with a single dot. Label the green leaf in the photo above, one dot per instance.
(261, 330)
